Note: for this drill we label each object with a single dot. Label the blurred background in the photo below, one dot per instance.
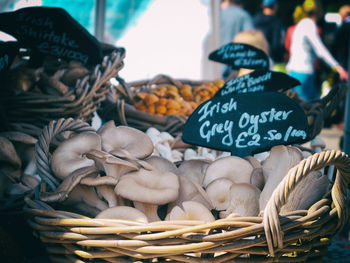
(166, 36)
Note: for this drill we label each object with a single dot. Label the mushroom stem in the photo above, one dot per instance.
(107, 193)
(150, 210)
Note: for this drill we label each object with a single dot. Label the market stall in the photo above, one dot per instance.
(179, 170)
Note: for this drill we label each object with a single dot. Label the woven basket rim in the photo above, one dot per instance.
(39, 109)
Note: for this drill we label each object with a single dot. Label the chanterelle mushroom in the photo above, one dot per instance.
(70, 154)
(149, 189)
(234, 168)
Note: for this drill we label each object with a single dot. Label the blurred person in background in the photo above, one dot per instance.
(255, 38)
(341, 41)
(271, 26)
(297, 16)
(306, 46)
(233, 19)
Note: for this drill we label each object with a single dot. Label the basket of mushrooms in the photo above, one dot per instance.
(106, 197)
(37, 92)
(161, 102)
(165, 103)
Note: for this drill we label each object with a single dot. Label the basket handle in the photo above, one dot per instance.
(340, 160)
(42, 147)
(161, 78)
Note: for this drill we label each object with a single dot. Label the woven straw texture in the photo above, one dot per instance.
(30, 111)
(299, 236)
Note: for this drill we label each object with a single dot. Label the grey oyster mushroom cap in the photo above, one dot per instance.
(123, 212)
(162, 164)
(70, 155)
(124, 139)
(195, 169)
(236, 169)
(111, 165)
(148, 189)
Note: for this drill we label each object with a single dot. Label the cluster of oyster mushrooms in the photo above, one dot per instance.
(173, 149)
(18, 173)
(114, 173)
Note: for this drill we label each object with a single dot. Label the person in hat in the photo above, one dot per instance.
(271, 26)
(233, 20)
(306, 46)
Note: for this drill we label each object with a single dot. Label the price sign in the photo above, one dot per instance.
(8, 52)
(258, 81)
(52, 31)
(238, 55)
(245, 124)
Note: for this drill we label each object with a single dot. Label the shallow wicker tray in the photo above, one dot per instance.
(29, 111)
(119, 106)
(298, 236)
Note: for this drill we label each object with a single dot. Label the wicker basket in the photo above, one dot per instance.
(30, 111)
(119, 107)
(299, 236)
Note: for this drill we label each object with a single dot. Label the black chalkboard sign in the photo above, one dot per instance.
(8, 52)
(258, 81)
(52, 31)
(239, 55)
(248, 123)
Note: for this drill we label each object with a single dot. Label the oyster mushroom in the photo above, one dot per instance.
(111, 165)
(194, 169)
(106, 192)
(191, 191)
(244, 200)
(275, 167)
(307, 192)
(68, 184)
(123, 212)
(126, 142)
(85, 200)
(25, 148)
(8, 153)
(257, 177)
(23, 143)
(191, 210)
(162, 164)
(219, 193)
(317, 144)
(70, 155)
(149, 189)
(234, 168)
